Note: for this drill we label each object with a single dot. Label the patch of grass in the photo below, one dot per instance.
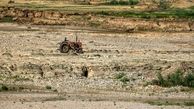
(169, 13)
(5, 87)
(6, 19)
(191, 103)
(175, 79)
(122, 77)
(30, 5)
(122, 2)
(124, 80)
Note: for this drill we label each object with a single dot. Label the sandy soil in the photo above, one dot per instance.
(29, 58)
(50, 101)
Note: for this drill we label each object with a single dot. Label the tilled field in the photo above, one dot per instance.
(29, 59)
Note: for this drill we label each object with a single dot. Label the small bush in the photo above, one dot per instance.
(55, 90)
(189, 80)
(164, 4)
(133, 2)
(4, 88)
(48, 87)
(124, 80)
(122, 77)
(175, 79)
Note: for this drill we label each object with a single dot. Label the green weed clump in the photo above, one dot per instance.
(175, 79)
(122, 77)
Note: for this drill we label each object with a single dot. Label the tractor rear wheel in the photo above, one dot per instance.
(64, 48)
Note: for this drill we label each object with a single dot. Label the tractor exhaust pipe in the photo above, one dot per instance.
(76, 38)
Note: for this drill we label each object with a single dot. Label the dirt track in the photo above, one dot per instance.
(32, 55)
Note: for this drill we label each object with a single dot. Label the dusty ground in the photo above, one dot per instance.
(29, 59)
(32, 101)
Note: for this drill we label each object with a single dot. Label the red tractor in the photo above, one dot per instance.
(67, 45)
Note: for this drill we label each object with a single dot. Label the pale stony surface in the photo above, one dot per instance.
(50, 101)
(29, 59)
(32, 53)
(83, 105)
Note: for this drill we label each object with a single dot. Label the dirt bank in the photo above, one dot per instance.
(95, 20)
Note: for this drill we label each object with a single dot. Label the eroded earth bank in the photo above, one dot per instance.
(44, 78)
(109, 21)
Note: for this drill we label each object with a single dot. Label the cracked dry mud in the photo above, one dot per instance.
(29, 59)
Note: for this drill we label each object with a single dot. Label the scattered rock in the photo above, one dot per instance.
(47, 71)
(84, 71)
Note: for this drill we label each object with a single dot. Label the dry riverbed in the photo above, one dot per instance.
(37, 75)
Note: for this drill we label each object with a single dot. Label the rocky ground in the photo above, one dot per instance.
(31, 64)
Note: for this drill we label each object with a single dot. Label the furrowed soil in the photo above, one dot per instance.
(45, 78)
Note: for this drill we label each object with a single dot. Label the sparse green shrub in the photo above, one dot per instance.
(189, 80)
(175, 79)
(122, 77)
